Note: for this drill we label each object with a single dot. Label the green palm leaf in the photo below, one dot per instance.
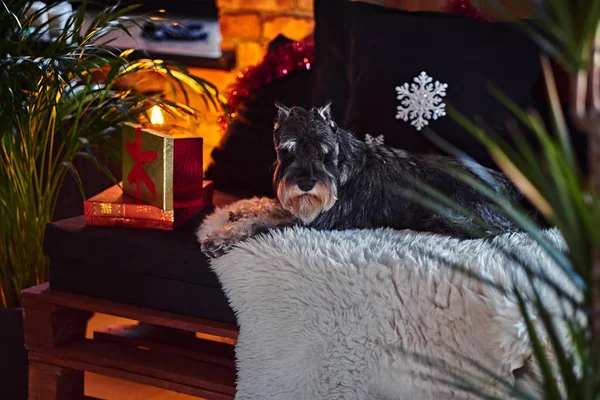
(549, 174)
(52, 111)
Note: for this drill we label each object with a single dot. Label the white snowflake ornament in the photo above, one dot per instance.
(374, 140)
(422, 102)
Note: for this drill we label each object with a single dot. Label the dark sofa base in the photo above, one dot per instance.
(146, 291)
(161, 270)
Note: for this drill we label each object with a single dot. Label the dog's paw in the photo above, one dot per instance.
(235, 216)
(215, 247)
(220, 242)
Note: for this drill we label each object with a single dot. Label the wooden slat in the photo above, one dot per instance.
(51, 327)
(53, 382)
(140, 365)
(131, 377)
(170, 342)
(43, 294)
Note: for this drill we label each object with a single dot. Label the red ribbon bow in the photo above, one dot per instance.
(138, 174)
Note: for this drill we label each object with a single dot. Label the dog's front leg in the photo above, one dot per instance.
(243, 225)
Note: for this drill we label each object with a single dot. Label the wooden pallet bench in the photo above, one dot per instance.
(170, 351)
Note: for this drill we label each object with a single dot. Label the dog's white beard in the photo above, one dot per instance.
(306, 206)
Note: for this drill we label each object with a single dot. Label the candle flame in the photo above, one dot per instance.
(156, 116)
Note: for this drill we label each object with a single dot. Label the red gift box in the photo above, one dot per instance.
(113, 208)
(163, 168)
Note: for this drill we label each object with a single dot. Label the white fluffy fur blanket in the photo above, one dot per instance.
(340, 315)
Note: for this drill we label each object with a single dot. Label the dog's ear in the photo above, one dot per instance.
(284, 111)
(325, 113)
(282, 114)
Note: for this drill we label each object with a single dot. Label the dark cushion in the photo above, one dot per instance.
(330, 81)
(162, 270)
(389, 47)
(242, 162)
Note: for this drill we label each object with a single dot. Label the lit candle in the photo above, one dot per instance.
(156, 117)
(159, 124)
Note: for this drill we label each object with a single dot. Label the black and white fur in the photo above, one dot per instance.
(325, 178)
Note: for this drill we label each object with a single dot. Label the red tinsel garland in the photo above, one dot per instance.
(276, 64)
(464, 7)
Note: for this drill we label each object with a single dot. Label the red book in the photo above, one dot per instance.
(113, 208)
(117, 222)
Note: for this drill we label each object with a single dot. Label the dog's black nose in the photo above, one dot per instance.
(305, 184)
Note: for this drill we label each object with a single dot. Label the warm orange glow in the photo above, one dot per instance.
(156, 116)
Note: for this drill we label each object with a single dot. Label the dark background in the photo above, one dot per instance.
(174, 8)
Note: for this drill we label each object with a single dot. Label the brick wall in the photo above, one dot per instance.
(249, 25)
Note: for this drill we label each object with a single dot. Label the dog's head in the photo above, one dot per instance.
(307, 160)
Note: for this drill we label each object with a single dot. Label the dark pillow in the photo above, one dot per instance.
(242, 163)
(389, 47)
(330, 81)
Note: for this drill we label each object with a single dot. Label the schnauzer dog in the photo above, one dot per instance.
(325, 178)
